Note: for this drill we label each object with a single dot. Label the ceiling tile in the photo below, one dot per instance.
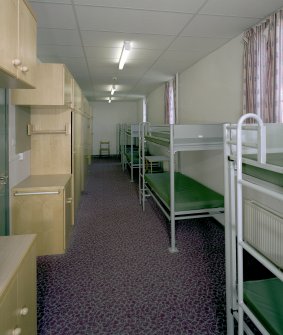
(51, 15)
(130, 21)
(104, 54)
(183, 6)
(217, 26)
(205, 44)
(63, 51)
(113, 39)
(243, 8)
(58, 36)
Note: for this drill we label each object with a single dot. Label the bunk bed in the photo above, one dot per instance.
(130, 147)
(177, 195)
(253, 159)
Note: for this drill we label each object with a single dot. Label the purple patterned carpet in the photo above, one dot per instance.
(118, 278)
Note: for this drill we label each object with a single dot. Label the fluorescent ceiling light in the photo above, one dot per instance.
(113, 89)
(124, 54)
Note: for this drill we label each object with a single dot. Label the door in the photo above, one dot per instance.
(4, 226)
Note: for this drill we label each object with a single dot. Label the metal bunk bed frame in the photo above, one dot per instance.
(235, 243)
(190, 137)
(130, 132)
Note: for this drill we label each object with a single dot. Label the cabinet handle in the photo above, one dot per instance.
(17, 331)
(69, 200)
(24, 311)
(16, 194)
(24, 69)
(16, 62)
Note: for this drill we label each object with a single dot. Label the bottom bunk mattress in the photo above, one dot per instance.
(265, 299)
(189, 194)
(263, 174)
(135, 157)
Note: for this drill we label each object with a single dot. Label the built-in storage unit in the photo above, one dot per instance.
(43, 205)
(51, 140)
(60, 127)
(54, 87)
(18, 44)
(18, 285)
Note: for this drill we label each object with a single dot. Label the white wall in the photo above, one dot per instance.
(19, 165)
(140, 110)
(105, 119)
(209, 92)
(155, 106)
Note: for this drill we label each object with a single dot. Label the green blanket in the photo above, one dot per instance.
(135, 157)
(265, 299)
(266, 175)
(189, 194)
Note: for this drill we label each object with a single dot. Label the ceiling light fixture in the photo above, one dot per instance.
(113, 89)
(124, 55)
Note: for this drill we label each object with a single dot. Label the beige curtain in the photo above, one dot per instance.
(263, 66)
(170, 101)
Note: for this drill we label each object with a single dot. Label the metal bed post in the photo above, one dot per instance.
(145, 126)
(173, 248)
(229, 251)
(123, 146)
(140, 161)
(132, 153)
(240, 212)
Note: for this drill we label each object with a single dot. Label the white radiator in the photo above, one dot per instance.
(263, 229)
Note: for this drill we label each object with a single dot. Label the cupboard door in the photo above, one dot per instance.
(68, 90)
(27, 44)
(8, 310)
(8, 35)
(53, 87)
(42, 215)
(77, 97)
(27, 294)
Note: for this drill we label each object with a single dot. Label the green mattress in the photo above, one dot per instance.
(135, 157)
(189, 194)
(266, 175)
(161, 140)
(265, 299)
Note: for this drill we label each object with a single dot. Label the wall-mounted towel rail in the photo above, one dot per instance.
(31, 129)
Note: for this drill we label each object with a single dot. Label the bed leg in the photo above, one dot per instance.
(173, 250)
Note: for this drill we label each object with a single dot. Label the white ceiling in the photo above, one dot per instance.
(167, 37)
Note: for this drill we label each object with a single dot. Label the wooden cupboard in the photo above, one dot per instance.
(77, 97)
(42, 205)
(51, 141)
(54, 87)
(18, 285)
(18, 44)
(59, 127)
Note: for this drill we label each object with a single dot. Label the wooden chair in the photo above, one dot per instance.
(104, 148)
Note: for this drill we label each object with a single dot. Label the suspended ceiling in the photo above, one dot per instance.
(167, 37)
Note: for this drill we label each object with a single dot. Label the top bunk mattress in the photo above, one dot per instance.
(265, 299)
(275, 159)
(189, 194)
